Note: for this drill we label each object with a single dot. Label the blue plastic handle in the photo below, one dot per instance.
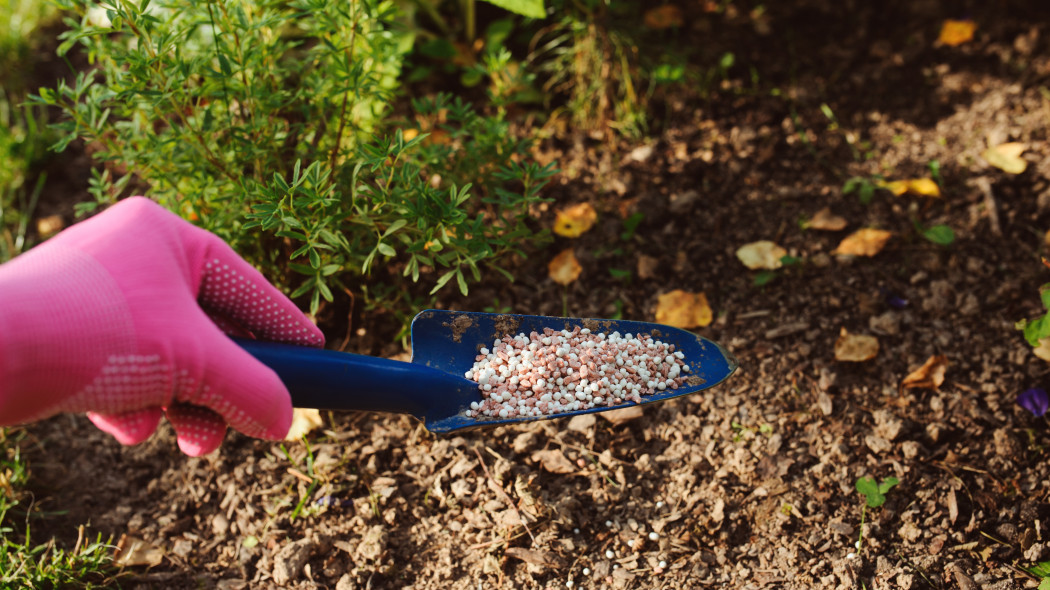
(331, 380)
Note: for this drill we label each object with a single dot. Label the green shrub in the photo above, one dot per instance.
(23, 141)
(270, 123)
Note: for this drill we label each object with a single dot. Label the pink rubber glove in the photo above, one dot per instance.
(119, 316)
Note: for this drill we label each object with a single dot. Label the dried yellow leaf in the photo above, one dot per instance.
(855, 348)
(956, 32)
(864, 242)
(683, 310)
(133, 551)
(1043, 350)
(648, 267)
(923, 187)
(663, 17)
(1007, 157)
(929, 376)
(826, 220)
(49, 226)
(575, 220)
(554, 460)
(761, 255)
(564, 268)
(303, 421)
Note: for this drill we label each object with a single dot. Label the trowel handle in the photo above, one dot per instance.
(331, 380)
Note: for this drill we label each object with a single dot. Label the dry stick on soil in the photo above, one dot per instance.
(989, 204)
(349, 321)
(503, 494)
(495, 542)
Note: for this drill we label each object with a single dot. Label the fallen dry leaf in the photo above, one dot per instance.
(929, 376)
(647, 266)
(303, 421)
(49, 226)
(1043, 350)
(132, 551)
(572, 222)
(923, 187)
(863, 242)
(1007, 157)
(956, 32)
(536, 557)
(683, 310)
(761, 255)
(663, 17)
(554, 461)
(622, 415)
(826, 220)
(855, 348)
(564, 268)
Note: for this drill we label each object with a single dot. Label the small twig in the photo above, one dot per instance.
(494, 542)
(989, 203)
(349, 321)
(300, 475)
(80, 540)
(503, 494)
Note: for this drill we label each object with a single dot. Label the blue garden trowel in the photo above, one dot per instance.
(444, 346)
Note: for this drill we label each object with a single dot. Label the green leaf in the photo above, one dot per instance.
(870, 489)
(224, 65)
(764, 277)
(529, 8)
(497, 32)
(441, 281)
(875, 493)
(385, 249)
(620, 273)
(668, 73)
(887, 484)
(400, 223)
(1044, 294)
(939, 234)
(1041, 569)
(315, 259)
(325, 291)
(630, 225)
(438, 49)
(727, 60)
(307, 285)
(1037, 329)
(1044, 585)
(462, 281)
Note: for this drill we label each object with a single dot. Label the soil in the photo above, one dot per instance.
(750, 485)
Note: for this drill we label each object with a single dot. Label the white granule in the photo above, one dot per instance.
(555, 372)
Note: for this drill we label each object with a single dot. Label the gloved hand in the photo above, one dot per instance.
(122, 316)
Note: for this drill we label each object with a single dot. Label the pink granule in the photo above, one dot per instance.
(554, 372)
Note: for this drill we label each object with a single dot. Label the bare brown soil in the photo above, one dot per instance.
(750, 485)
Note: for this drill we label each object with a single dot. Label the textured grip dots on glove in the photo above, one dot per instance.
(125, 381)
(228, 292)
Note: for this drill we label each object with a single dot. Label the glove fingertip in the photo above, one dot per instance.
(198, 430)
(129, 428)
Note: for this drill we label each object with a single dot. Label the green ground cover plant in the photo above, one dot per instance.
(23, 135)
(24, 561)
(271, 124)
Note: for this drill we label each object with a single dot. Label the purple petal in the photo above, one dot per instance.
(1035, 401)
(892, 299)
